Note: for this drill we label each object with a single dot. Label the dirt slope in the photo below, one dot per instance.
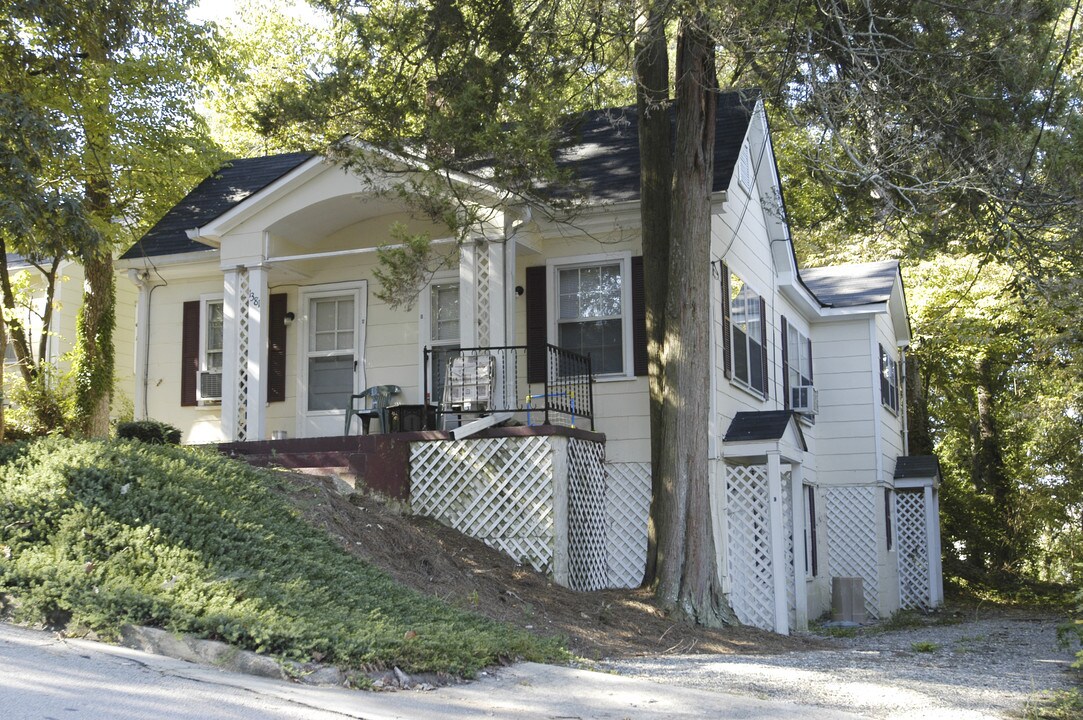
(436, 560)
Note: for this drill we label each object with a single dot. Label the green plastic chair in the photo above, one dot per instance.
(371, 403)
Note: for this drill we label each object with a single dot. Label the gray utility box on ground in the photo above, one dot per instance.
(847, 599)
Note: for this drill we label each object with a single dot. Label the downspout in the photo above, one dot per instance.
(140, 278)
(903, 397)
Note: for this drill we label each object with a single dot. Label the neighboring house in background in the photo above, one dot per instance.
(266, 269)
(67, 299)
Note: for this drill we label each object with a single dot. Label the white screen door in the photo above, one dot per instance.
(332, 366)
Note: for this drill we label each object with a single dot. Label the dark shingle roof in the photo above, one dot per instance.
(601, 154)
(764, 425)
(228, 187)
(917, 466)
(602, 150)
(852, 285)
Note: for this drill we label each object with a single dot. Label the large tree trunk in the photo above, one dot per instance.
(93, 363)
(94, 360)
(655, 192)
(920, 436)
(688, 579)
(990, 474)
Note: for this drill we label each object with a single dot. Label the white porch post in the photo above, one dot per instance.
(932, 544)
(800, 586)
(142, 343)
(778, 547)
(230, 311)
(258, 316)
(468, 296)
(497, 305)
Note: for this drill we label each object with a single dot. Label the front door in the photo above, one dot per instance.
(332, 363)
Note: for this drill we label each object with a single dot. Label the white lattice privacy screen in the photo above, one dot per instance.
(749, 545)
(588, 567)
(506, 492)
(913, 549)
(628, 501)
(498, 490)
(852, 540)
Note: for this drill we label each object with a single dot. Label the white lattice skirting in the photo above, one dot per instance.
(748, 544)
(852, 540)
(628, 502)
(515, 493)
(498, 490)
(911, 517)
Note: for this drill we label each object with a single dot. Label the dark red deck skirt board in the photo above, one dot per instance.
(381, 461)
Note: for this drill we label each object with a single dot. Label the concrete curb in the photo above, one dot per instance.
(227, 657)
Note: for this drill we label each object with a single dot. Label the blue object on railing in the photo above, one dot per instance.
(537, 396)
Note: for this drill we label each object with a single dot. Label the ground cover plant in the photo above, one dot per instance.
(95, 535)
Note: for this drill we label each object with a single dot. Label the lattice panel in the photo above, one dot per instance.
(498, 490)
(749, 545)
(244, 302)
(628, 502)
(852, 539)
(587, 561)
(481, 273)
(913, 549)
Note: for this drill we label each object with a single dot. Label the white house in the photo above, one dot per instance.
(257, 318)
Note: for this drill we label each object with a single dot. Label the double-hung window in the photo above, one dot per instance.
(591, 313)
(443, 327)
(889, 381)
(744, 315)
(797, 366)
(211, 349)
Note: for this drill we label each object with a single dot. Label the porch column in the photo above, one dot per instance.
(797, 508)
(932, 545)
(778, 544)
(142, 341)
(230, 312)
(497, 305)
(256, 365)
(468, 296)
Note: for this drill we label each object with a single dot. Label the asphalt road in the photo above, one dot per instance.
(43, 677)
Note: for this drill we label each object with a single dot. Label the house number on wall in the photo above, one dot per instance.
(253, 299)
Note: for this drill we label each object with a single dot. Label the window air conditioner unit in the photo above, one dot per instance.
(803, 399)
(210, 387)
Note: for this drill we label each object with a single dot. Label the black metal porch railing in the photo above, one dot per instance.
(486, 380)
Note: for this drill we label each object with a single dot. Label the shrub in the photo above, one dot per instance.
(96, 535)
(45, 406)
(149, 431)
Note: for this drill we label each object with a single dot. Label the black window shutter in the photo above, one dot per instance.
(785, 365)
(727, 338)
(276, 349)
(883, 376)
(537, 335)
(763, 343)
(189, 352)
(812, 528)
(639, 318)
(810, 363)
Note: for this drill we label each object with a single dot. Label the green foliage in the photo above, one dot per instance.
(1074, 629)
(43, 406)
(1060, 705)
(98, 535)
(924, 646)
(406, 267)
(149, 431)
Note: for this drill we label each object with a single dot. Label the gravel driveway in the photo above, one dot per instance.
(987, 666)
